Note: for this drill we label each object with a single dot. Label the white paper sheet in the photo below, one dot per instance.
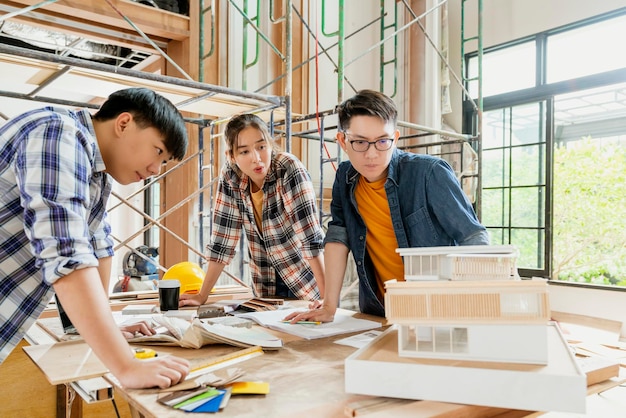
(343, 323)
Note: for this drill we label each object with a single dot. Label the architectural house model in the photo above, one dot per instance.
(468, 330)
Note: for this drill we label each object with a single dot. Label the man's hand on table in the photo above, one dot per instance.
(131, 331)
(161, 372)
(322, 313)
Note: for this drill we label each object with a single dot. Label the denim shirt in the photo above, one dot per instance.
(428, 209)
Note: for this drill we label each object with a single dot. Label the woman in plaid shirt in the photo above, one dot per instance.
(268, 194)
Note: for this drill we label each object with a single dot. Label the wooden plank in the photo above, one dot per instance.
(598, 369)
(429, 409)
(100, 15)
(588, 321)
(66, 361)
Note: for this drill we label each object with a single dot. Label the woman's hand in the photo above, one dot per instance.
(191, 300)
(142, 327)
(316, 304)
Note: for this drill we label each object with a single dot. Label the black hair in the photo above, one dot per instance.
(149, 110)
(366, 103)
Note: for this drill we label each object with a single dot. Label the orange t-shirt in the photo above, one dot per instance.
(381, 242)
(257, 206)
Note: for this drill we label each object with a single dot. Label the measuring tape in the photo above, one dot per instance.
(143, 353)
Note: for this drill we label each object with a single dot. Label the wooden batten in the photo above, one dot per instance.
(98, 21)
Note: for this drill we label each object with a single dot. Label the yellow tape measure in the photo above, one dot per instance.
(142, 353)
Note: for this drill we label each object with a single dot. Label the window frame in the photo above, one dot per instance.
(543, 92)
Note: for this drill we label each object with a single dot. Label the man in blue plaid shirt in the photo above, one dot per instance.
(56, 167)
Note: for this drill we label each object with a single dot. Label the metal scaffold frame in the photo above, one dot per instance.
(215, 104)
(451, 142)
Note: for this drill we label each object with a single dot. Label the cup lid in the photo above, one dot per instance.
(169, 283)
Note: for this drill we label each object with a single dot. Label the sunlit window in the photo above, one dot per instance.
(505, 70)
(588, 50)
(553, 157)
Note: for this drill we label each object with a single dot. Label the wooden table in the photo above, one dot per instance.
(306, 379)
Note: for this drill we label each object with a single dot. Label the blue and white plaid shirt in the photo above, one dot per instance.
(53, 194)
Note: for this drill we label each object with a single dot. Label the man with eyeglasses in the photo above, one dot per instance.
(384, 199)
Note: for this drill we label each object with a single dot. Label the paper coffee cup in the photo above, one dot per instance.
(169, 293)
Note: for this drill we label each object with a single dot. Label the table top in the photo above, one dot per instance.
(306, 378)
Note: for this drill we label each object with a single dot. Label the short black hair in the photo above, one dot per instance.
(149, 110)
(367, 103)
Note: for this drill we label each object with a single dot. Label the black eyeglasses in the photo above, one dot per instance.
(361, 145)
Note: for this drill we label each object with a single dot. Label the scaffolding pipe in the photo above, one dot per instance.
(321, 199)
(26, 10)
(402, 29)
(323, 50)
(289, 71)
(258, 31)
(341, 66)
(52, 100)
(201, 37)
(149, 41)
(434, 131)
(394, 60)
(445, 61)
(75, 62)
(201, 184)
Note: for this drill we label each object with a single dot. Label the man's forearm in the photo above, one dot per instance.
(317, 265)
(104, 269)
(87, 306)
(335, 261)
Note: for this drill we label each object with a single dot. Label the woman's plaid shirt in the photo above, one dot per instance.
(290, 232)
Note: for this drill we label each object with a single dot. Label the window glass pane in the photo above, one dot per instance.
(598, 113)
(495, 168)
(589, 201)
(525, 304)
(496, 129)
(527, 124)
(460, 340)
(495, 207)
(530, 244)
(588, 50)
(498, 236)
(443, 339)
(528, 165)
(527, 207)
(504, 70)
(424, 339)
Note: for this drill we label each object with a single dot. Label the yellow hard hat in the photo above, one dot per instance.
(189, 274)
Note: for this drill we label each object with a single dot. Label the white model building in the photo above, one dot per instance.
(466, 329)
(473, 306)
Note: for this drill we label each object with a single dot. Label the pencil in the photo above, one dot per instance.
(304, 322)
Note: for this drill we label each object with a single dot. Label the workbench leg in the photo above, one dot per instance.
(134, 413)
(68, 404)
